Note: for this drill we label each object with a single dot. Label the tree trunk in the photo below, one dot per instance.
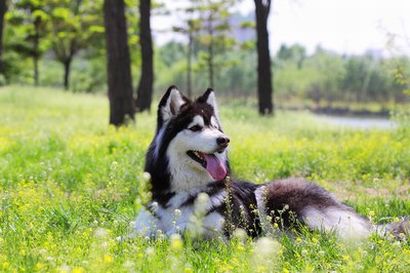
(35, 73)
(73, 48)
(189, 56)
(3, 10)
(118, 63)
(36, 50)
(67, 70)
(211, 51)
(265, 90)
(144, 90)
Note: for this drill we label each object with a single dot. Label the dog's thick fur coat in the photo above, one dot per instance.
(188, 157)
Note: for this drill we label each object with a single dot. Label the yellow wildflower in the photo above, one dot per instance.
(108, 259)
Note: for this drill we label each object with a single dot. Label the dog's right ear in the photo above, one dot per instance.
(170, 104)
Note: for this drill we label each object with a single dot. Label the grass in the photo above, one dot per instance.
(71, 185)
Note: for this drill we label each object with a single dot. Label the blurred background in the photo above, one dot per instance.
(334, 57)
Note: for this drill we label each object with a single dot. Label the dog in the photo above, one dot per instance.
(190, 183)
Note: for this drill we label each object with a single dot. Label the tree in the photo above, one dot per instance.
(295, 53)
(214, 15)
(118, 63)
(73, 26)
(265, 90)
(192, 26)
(3, 10)
(29, 15)
(144, 90)
(327, 72)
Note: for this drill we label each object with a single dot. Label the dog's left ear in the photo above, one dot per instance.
(170, 105)
(209, 98)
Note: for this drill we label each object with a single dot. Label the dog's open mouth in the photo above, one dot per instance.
(215, 167)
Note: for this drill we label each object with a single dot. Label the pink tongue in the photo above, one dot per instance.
(215, 167)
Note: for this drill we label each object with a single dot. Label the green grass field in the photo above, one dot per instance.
(71, 185)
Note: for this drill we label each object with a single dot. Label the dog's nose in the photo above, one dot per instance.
(222, 141)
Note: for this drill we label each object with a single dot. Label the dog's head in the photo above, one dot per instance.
(189, 136)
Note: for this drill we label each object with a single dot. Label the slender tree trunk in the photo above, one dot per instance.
(189, 56)
(67, 70)
(3, 10)
(144, 90)
(118, 63)
(211, 51)
(36, 50)
(36, 70)
(72, 51)
(265, 89)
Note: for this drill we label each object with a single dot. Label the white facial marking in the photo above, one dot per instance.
(186, 173)
(197, 120)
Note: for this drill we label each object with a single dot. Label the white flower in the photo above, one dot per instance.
(100, 233)
(154, 206)
(201, 203)
(65, 268)
(239, 234)
(149, 251)
(146, 176)
(266, 246)
(266, 252)
(177, 213)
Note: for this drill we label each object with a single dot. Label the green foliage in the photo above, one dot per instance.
(65, 28)
(70, 186)
(327, 76)
(61, 26)
(207, 22)
(30, 22)
(74, 24)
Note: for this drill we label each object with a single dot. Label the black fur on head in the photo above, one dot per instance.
(175, 113)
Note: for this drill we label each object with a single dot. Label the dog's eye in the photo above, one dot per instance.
(195, 128)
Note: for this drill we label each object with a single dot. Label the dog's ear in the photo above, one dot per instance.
(209, 98)
(170, 104)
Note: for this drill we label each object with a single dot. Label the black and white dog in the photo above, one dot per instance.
(189, 172)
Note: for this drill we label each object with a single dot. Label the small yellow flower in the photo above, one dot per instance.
(261, 268)
(5, 265)
(39, 266)
(108, 259)
(78, 270)
(188, 270)
(240, 247)
(176, 242)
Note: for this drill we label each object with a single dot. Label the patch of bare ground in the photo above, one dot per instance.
(352, 191)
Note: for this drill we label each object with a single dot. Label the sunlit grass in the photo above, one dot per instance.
(71, 185)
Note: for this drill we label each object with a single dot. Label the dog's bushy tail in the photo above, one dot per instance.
(399, 229)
